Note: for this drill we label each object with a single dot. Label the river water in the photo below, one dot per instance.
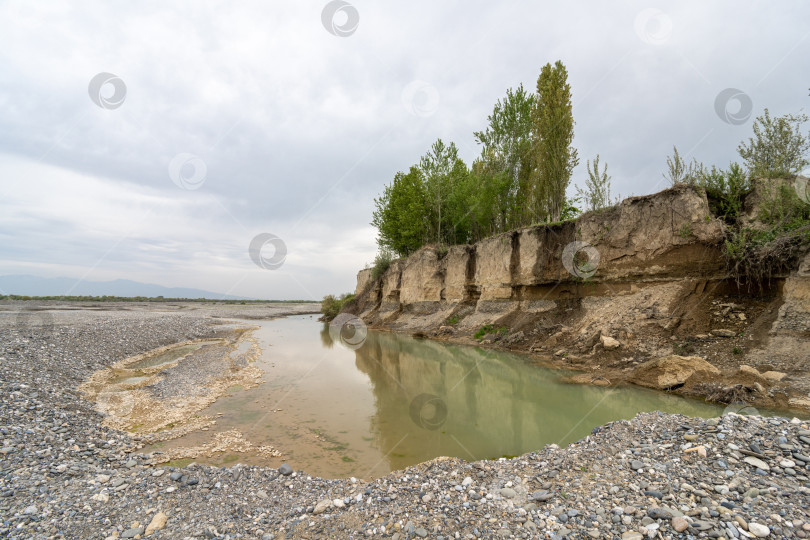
(336, 411)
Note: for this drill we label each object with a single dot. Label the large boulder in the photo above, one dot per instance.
(671, 371)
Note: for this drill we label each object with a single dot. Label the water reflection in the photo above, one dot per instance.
(484, 403)
(335, 411)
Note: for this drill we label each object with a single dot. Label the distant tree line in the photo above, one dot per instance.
(63, 298)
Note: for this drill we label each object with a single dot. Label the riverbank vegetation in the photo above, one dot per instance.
(332, 305)
(771, 240)
(520, 178)
(525, 167)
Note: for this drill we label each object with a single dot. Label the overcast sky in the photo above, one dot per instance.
(220, 121)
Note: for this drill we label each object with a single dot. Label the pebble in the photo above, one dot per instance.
(679, 524)
(758, 530)
(132, 533)
(628, 479)
(756, 462)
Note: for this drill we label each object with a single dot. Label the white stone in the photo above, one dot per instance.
(609, 343)
(321, 507)
(756, 462)
(102, 496)
(760, 531)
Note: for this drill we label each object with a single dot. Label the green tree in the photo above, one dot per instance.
(506, 156)
(436, 167)
(777, 148)
(596, 194)
(553, 153)
(399, 213)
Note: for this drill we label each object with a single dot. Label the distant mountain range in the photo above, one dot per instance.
(26, 285)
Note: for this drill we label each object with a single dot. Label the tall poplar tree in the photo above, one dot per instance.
(553, 130)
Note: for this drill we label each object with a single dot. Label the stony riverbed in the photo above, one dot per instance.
(63, 474)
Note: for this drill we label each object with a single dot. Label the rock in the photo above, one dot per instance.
(668, 371)
(132, 533)
(748, 370)
(636, 465)
(102, 496)
(609, 343)
(157, 523)
(774, 376)
(679, 524)
(509, 493)
(659, 513)
(756, 462)
(632, 535)
(30, 510)
(722, 332)
(420, 532)
(758, 530)
(285, 469)
(322, 506)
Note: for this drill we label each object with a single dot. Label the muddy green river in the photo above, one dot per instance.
(337, 411)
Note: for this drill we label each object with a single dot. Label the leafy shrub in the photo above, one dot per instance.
(678, 172)
(726, 190)
(490, 329)
(331, 306)
(759, 253)
(484, 330)
(778, 148)
(381, 263)
(596, 194)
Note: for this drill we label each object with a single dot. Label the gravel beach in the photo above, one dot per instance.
(64, 475)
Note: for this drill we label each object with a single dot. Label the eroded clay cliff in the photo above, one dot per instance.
(606, 294)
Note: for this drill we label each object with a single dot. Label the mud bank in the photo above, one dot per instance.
(621, 295)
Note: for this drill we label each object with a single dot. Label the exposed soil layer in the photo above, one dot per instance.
(608, 293)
